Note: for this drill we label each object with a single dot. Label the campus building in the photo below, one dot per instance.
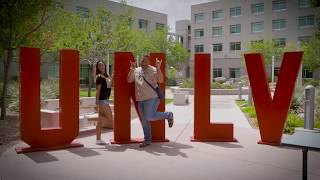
(224, 28)
(143, 19)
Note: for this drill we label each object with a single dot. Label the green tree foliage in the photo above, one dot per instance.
(19, 19)
(311, 56)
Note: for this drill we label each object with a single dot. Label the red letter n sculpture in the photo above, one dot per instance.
(203, 129)
(123, 92)
(31, 132)
(272, 112)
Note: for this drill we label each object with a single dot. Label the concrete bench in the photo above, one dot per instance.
(49, 118)
(181, 98)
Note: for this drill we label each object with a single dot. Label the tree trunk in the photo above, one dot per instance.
(6, 63)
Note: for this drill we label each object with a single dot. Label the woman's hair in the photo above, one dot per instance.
(99, 72)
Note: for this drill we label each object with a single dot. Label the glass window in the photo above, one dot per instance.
(53, 71)
(217, 31)
(198, 48)
(217, 47)
(306, 21)
(198, 18)
(159, 26)
(279, 5)
(216, 15)
(198, 32)
(257, 41)
(307, 73)
(235, 29)
(276, 71)
(257, 26)
(257, 9)
(235, 11)
(83, 11)
(84, 73)
(280, 42)
(234, 72)
(216, 72)
(143, 24)
(279, 24)
(304, 38)
(235, 46)
(304, 3)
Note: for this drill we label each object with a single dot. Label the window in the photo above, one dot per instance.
(306, 21)
(257, 9)
(198, 48)
(189, 29)
(216, 72)
(143, 24)
(279, 24)
(304, 3)
(198, 18)
(307, 73)
(198, 32)
(304, 38)
(234, 72)
(260, 41)
(83, 11)
(235, 11)
(280, 42)
(53, 71)
(276, 71)
(84, 73)
(279, 5)
(217, 47)
(235, 29)
(257, 26)
(216, 15)
(217, 31)
(235, 46)
(159, 26)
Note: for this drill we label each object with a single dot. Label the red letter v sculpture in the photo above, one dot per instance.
(272, 112)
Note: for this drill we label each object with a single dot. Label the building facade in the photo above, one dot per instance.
(183, 28)
(224, 28)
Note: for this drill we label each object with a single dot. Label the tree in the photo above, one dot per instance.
(311, 55)
(19, 19)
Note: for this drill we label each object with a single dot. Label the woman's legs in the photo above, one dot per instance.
(105, 114)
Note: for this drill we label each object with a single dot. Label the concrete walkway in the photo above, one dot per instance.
(177, 159)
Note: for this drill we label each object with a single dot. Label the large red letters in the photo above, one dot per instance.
(123, 92)
(30, 128)
(272, 112)
(203, 130)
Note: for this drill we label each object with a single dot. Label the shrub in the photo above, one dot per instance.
(292, 122)
(220, 80)
(186, 83)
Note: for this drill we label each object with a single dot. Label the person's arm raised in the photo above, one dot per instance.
(130, 77)
(159, 75)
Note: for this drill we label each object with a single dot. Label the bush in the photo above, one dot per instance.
(292, 122)
(217, 85)
(313, 82)
(220, 80)
(186, 83)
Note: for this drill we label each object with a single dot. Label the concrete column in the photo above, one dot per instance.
(309, 107)
(240, 91)
(249, 96)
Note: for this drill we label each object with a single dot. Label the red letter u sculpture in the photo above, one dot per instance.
(203, 129)
(272, 112)
(123, 92)
(41, 139)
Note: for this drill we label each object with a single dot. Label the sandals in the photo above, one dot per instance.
(170, 119)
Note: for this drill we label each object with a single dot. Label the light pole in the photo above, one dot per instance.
(272, 70)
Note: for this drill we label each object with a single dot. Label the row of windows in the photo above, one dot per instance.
(277, 24)
(233, 72)
(142, 23)
(236, 46)
(256, 9)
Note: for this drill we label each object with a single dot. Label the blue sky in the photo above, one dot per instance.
(176, 9)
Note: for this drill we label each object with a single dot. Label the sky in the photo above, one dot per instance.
(175, 9)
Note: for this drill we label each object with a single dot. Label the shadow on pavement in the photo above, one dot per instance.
(225, 144)
(83, 152)
(157, 149)
(41, 157)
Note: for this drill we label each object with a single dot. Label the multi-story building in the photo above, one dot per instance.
(143, 19)
(183, 29)
(224, 28)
